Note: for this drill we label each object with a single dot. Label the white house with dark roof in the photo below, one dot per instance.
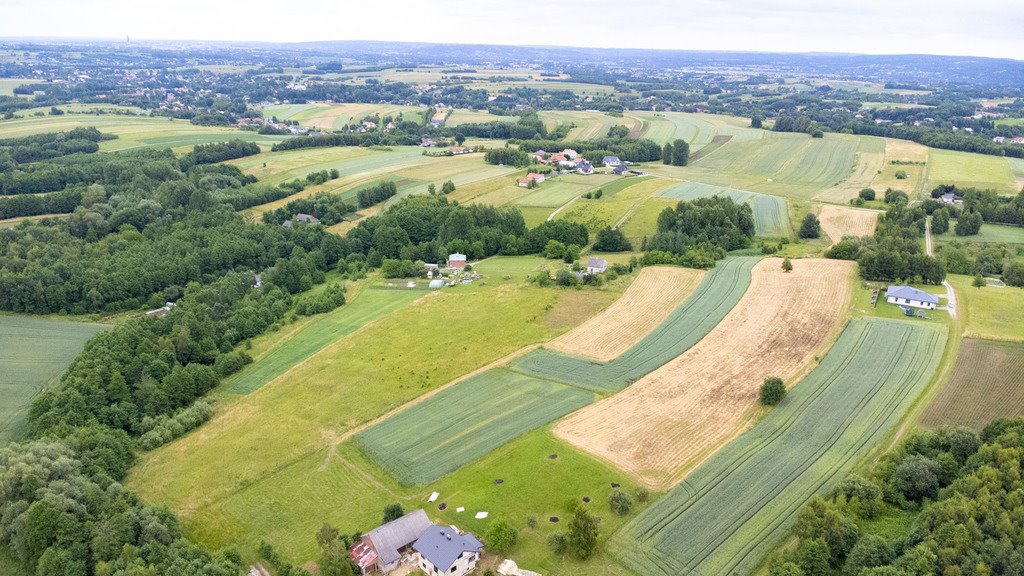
(445, 550)
(611, 161)
(596, 265)
(907, 296)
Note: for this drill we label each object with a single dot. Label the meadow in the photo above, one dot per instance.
(989, 233)
(985, 385)
(588, 125)
(968, 170)
(728, 513)
(619, 200)
(7, 85)
(698, 130)
(34, 352)
(771, 215)
(992, 313)
(336, 116)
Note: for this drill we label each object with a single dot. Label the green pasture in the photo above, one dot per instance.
(33, 353)
(465, 422)
(696, 129)
(733, 509)
(335, 116)
(644, 220)
(991, 312)
(968, 170)
(771, 215)
(1010, 122)
(7, 85)
(989, 233)
(618, 201)
(588, 124)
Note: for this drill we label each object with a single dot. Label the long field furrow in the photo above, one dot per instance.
(731, 510)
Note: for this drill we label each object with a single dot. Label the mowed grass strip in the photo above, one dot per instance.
(33, 353)
(369, 305)
(987, 383)
(771, 215)
(716, 295)
(465, 422)
(726, 515)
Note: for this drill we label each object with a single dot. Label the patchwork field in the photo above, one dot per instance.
(716, 295)
(968, 170)
(870, 160)
(839, 221)
(651, 297)
(588, 125)
(336, 116)
(987, 383)
(620, 199)
(667, 422)
(698, 130)
(991, 313)
(33, 353)
(727, 514)
(771, 216)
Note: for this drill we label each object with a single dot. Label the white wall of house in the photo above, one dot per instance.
(464, 565)
(910, 302)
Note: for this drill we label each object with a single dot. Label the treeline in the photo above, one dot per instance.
(47, 146)
(992, 206)
(894, 253)
(963, 490)
(527, 126)
(218, 152)
(376, 194)
(697, 233)
(328, 208)
(366, 139)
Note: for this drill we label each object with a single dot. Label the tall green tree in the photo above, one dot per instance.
(583, 534)
(680, 153)
(666, 153)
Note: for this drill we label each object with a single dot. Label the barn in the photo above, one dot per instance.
(908, 296)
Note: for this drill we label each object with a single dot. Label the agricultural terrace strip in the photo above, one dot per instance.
(369, 305)
(986, 384)
(839, 221)
(726, 515)
(716, 295)
(33, 353)
(968, 170)
(870, 161)
(651, 297)
(465, 422)
(670, 420)
(771, 216)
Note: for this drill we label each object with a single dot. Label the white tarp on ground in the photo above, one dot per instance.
(480, 515)
(509, 568)
(433, 496)
(460, 509)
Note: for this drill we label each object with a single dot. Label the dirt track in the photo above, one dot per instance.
(652, 296)
(669, 421)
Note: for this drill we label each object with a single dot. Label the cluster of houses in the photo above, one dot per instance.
(301, 219)
(1002, 140)
(257, 123)
(567, 160)
(413, 540)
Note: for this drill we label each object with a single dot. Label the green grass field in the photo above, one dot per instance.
(336, 116)
(33, 353)
(7, 85)
(465, 422)
(620, 199)
(588, 125)
(992, 313)
(728, 513)
(697, 129)
(985, 385)
(771, 215)
(989, 233)
(720, 290)
(968, 170)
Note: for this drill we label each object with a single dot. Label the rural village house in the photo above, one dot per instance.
(434, 549)
(907, 296)
(596, 265)
(584, 167)
(525, 181)
(382, 548)
(457, 261)
(442, 550)
(611, 161)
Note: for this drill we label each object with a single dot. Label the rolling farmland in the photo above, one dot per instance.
(33, 353)
(336, 116)
(589, 125)
(991, 313)
(726, 515)
(620, 200)
(986, 384)
(651, 297)
(771, 216)
(968, 170)
(839, 221)
(673, 418)
(716, 295)
(465, 422)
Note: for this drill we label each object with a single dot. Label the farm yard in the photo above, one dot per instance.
(736, 506)
(33, 353)
(839, 221)
(669, 421)
(651, 297)
(985, 385)
(771, 215)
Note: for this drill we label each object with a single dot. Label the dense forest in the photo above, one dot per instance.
(697, 233)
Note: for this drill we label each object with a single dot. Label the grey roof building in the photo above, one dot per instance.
(383, 545)
(611, 161)
(443, 547)
(910, 297)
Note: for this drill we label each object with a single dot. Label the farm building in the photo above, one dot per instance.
(620, 170)
(382, 548)
(907, 296)
(570, 154)
(596, 265)
(524, 182)
(308, 218)
(584, 167)
(457, 261)
(443, 550)
(611, 161)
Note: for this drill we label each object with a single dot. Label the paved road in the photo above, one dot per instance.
(950, 295)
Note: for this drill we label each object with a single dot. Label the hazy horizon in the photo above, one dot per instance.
(987, 28)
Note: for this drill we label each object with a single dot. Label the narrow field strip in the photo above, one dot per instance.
(672, 418)
(716, 295)
(652, 296)
(735, 507)
(987, 383)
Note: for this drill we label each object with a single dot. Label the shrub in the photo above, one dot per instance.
(502, 537)
(772, 391)
(620, 503)
(810, 227)
(866, 194)
(870, 551)
(558, 543)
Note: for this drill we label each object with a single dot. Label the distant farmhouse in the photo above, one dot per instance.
(596, 265)
(611, 161)
(907, 296)
(457, 261)
(413, 539)
(302, 218)
(524, 182)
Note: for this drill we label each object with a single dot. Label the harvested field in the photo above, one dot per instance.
(987, 383)
(732, 510)
(651, 297)
(720, 290)
(673, 418)
(839, 221)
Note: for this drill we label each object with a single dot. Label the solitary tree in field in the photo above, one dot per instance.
(502, 537)
(810, 227)
(583, 534)
(431, 189)
(393, 512)
(460, 139)
(448, 187)
(772, 391)
(756, 121)
(787, 266)
(620, 503)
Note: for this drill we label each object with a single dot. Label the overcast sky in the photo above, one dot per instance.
(974, 27)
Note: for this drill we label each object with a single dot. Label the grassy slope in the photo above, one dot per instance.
(990, 312)
(33, 353)
(970, 170)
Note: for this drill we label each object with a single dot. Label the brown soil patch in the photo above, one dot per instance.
(839, 221)
(674, 418)
(652, 296)
(985, 385)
